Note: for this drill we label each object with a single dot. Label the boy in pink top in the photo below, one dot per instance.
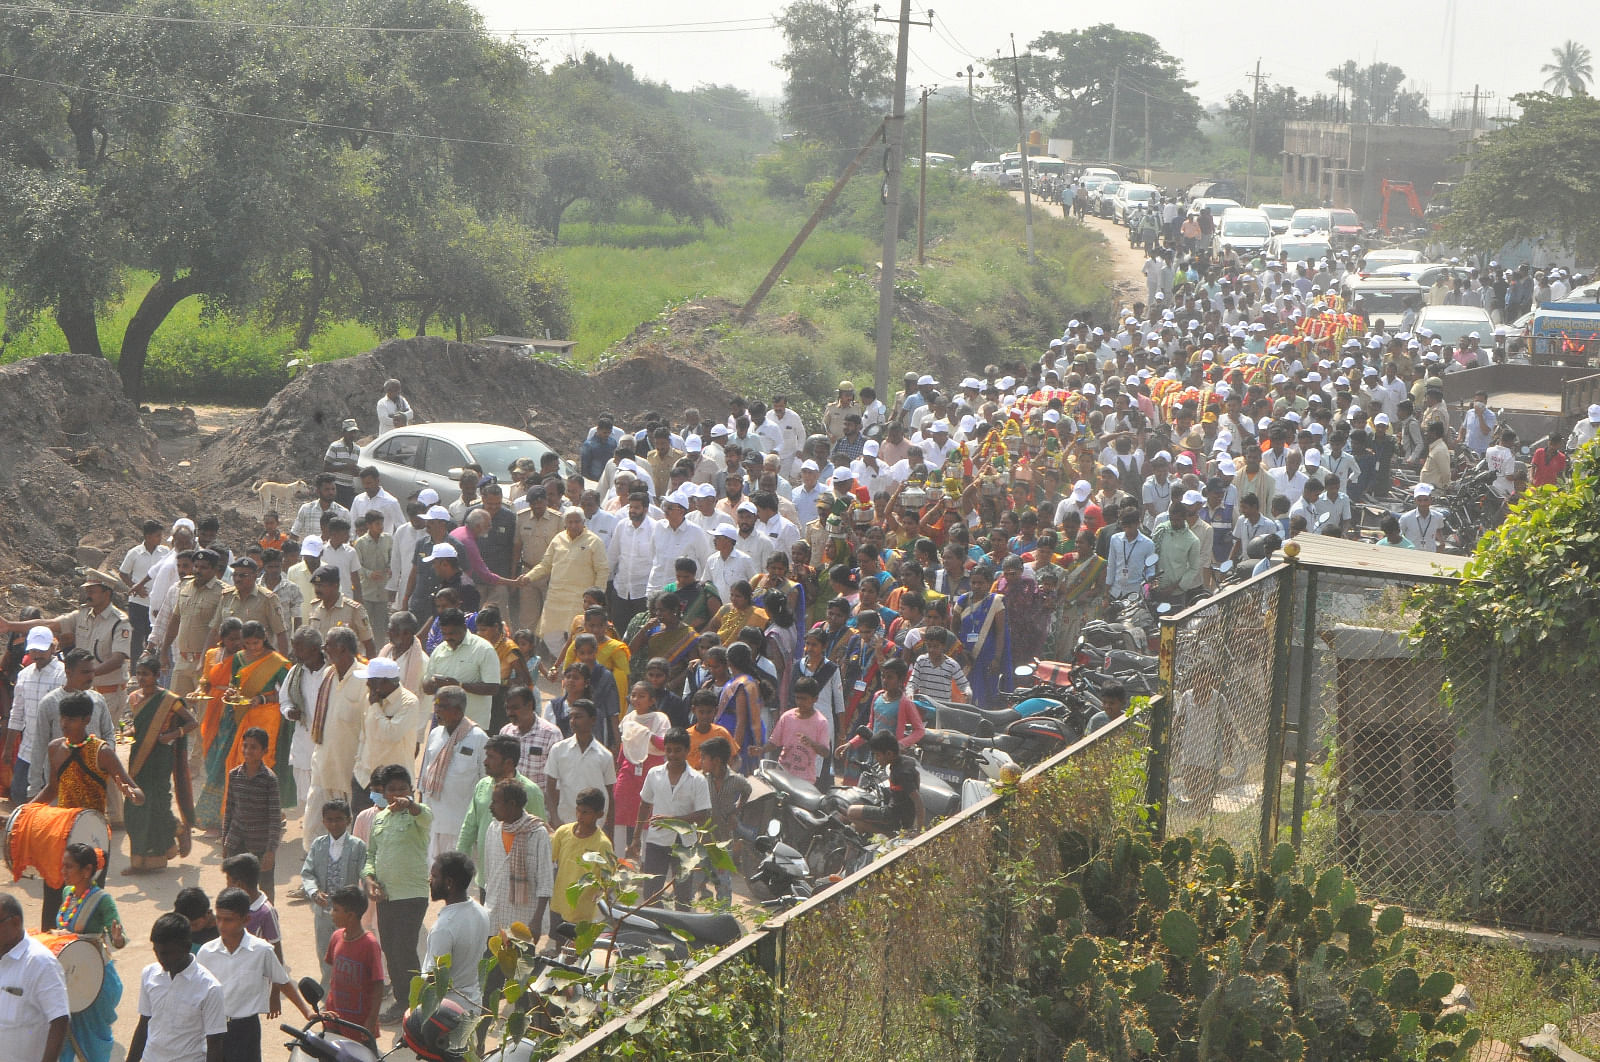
(802, 732)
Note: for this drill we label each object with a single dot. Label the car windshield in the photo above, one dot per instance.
(1304, 252)
(1247, 227)
(1389, 303)
(1140, 195)
(1277, 213)
(1308, 222)
(1345, 217)
(1453, 332)
(498, 457)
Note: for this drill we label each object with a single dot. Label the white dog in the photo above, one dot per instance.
(282, 498)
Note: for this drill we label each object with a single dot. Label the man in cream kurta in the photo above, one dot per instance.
(393, 718)
(336, 722)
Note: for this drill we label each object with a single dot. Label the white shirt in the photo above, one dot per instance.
(401, 555)
(787, 433)
(758, 546)
(1285, 485)
(1423, 531)
(574, 770)
(688, 540)
(247, 973)
(33, 682)
(781, 532)
(163, 579)
(394, 517)
(136, 564)
(389, 732)
(461, 932)
(604, 524)
(1504, 465)
(345, 559)
(300, 749)
(33, 993)
(690, 796)
(631, 553)
(461, 776)
(388, 407)
(722, 572)
(183, 1010)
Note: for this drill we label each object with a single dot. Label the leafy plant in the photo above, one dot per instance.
(1197, 953)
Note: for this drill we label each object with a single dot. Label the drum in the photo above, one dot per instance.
(81, 961)
(37, 836)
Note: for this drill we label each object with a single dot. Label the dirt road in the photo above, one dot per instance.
(1126, 261)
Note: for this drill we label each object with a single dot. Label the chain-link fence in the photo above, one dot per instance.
(880, 964)
(1461, 791)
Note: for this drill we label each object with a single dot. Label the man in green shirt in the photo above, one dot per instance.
(501, 754)
(397, 880)
(373, 550)
(466, 660)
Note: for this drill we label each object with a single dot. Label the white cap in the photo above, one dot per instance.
(1162, 455)
(1594, 413)
(1313, 377)
(1315, 429)
(1185, 459)
(1422, 490)
(727, 531)
(1052, 416)
(746, 506)
(678, 498)
(442, 551)
(974, 384)
(1381, 418)
(1080, 490)
(1280, 378)
(312, 545)
(693, 445)
(1227, 467)
(1473, 335)
(940, 425)
(1313, 458)
(926, 381)
(843, 475)
(719, 431)
(968, 423)
(1006, 383)
(379, 667)
(40, 639)
(1193, 497)
(1223, 441)
(705, 490)
(809, 465)
(869, 449)
(182, 521)
(1292, 417)
(427, 496)
(435, 512)
(1090, 389)
(1252, 359)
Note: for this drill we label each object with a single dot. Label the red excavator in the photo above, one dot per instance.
(1405, 188)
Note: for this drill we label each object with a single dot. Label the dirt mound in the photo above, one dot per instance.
(443, 381)
(78, 474)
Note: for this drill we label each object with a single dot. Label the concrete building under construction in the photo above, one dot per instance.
(1346, 163)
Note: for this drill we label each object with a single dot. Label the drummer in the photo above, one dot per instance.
(81, 768)
(101, 628)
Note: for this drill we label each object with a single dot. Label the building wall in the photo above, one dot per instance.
(1348, 163)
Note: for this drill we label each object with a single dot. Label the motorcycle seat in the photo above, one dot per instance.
(967, 718)
(796, 791)
(702, 928)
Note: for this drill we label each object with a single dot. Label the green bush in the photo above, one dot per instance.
(1198, 954)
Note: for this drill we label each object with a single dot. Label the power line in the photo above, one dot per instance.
(951, 37)
(717, 26)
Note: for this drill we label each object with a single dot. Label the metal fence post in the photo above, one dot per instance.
(1158, 763)
(1486, 740)
(770, 957)
(1272, 764)
(1302, 729)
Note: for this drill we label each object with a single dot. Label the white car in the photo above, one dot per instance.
(1297, 249)
(433, 455)
(1278, 214)
(1305, 222)
(1383, 298)
(1217, 206)
(1133, 197)
(1373, 261)
(1454, 323)
(1241, 229)
(986, 171)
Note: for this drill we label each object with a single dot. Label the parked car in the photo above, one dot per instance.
(1424, 273)
(1296, 249)
(1278, 214)
(1346, 227)
(1216, 206)
(1384, 298)
(1373, 261)
(1131, 198)
(433, 455)
(1454, 323)
(1101, 200)
(1214, 189)
(986, 171)
(1305, 222)
(1241, 229)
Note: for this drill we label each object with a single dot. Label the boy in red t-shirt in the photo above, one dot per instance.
(355, 985)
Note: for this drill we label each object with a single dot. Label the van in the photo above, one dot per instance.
(1242, 230)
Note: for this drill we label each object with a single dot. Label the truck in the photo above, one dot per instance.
(1565, 333)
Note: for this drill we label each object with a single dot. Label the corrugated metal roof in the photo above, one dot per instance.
(1323, 552)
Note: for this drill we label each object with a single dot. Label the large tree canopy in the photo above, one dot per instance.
(1536, 177)
(1072, 74)
(840, 72)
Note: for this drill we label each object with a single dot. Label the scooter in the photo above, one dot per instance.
(783, 874)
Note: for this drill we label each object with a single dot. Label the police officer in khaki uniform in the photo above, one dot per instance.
(248, 600)
(103, 629)
(330, 609)
(193, 617)
(536, 526)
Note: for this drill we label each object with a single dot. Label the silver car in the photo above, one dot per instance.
(433, 455)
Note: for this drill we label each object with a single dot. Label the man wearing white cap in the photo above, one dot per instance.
(1422, 526)
(1586, 428)
(937, 446)
(41, 674)
(676, 536)
(1077, 501)
(870, 472)
(392, 723)
(727, 565)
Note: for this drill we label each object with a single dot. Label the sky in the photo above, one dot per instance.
(733, 41)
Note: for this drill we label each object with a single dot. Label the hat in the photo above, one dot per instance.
(1193, 497)
(926, 381)
(1227, 467)
(312, 545)
(1162, 455)
(442, 551)
(693, 445)
(428, 496)
(1185, 459)
(182, 521)
(379, 667)
(1473, 335)
(1313, 458)
(746, 506)
(870, 448)
(940, 425)
(678, 498)
(1090, 389)
(719, 431)
(96, 577)
(968, 423)
(705, 490)
(973, 384)
(727, 531)
(1052, 416)
(1381, 418)
(350, 424)
(1292, 417)
(435, 512)
(40, 639)
(809, 466)
(1594, 414)
(1422, 490)
(1315, 429)
(843, 475)
(846, 385)
(250, 564)
(325, 574)
(1080, 490)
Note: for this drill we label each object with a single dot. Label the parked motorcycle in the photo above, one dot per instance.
(783, 875)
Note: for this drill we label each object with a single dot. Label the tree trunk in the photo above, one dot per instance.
(158, 302)
(75, 315)
(320, 267)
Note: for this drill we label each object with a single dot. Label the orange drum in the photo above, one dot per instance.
(37, 836)
(81, 961)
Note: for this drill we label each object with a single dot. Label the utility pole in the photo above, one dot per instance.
(1255, 102)
(1022, 147)
(894, 160)
(1111, 146)
(1146, 96)
(922, 183)
(972, 111)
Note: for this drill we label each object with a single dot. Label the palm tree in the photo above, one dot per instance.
(1572, 70)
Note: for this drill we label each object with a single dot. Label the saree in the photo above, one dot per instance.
(224, 752)
(216, 673)
(676, 647)
(1028, 612)
(162, 771)
(746, 687)
(1073, 606)
(988, 647)
(735, 620)
(91, 1028)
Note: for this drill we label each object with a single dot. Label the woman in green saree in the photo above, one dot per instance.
(251, 701)
(159, 765)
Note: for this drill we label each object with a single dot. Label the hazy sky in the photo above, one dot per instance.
(1218, 43)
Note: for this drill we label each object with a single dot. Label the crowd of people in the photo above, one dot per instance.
(459, 698)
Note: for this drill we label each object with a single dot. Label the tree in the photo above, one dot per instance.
(1276, 105)
(1071, 75)
(1535, 177)
(1374, 94)
(1571, 72)
(840, 72)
